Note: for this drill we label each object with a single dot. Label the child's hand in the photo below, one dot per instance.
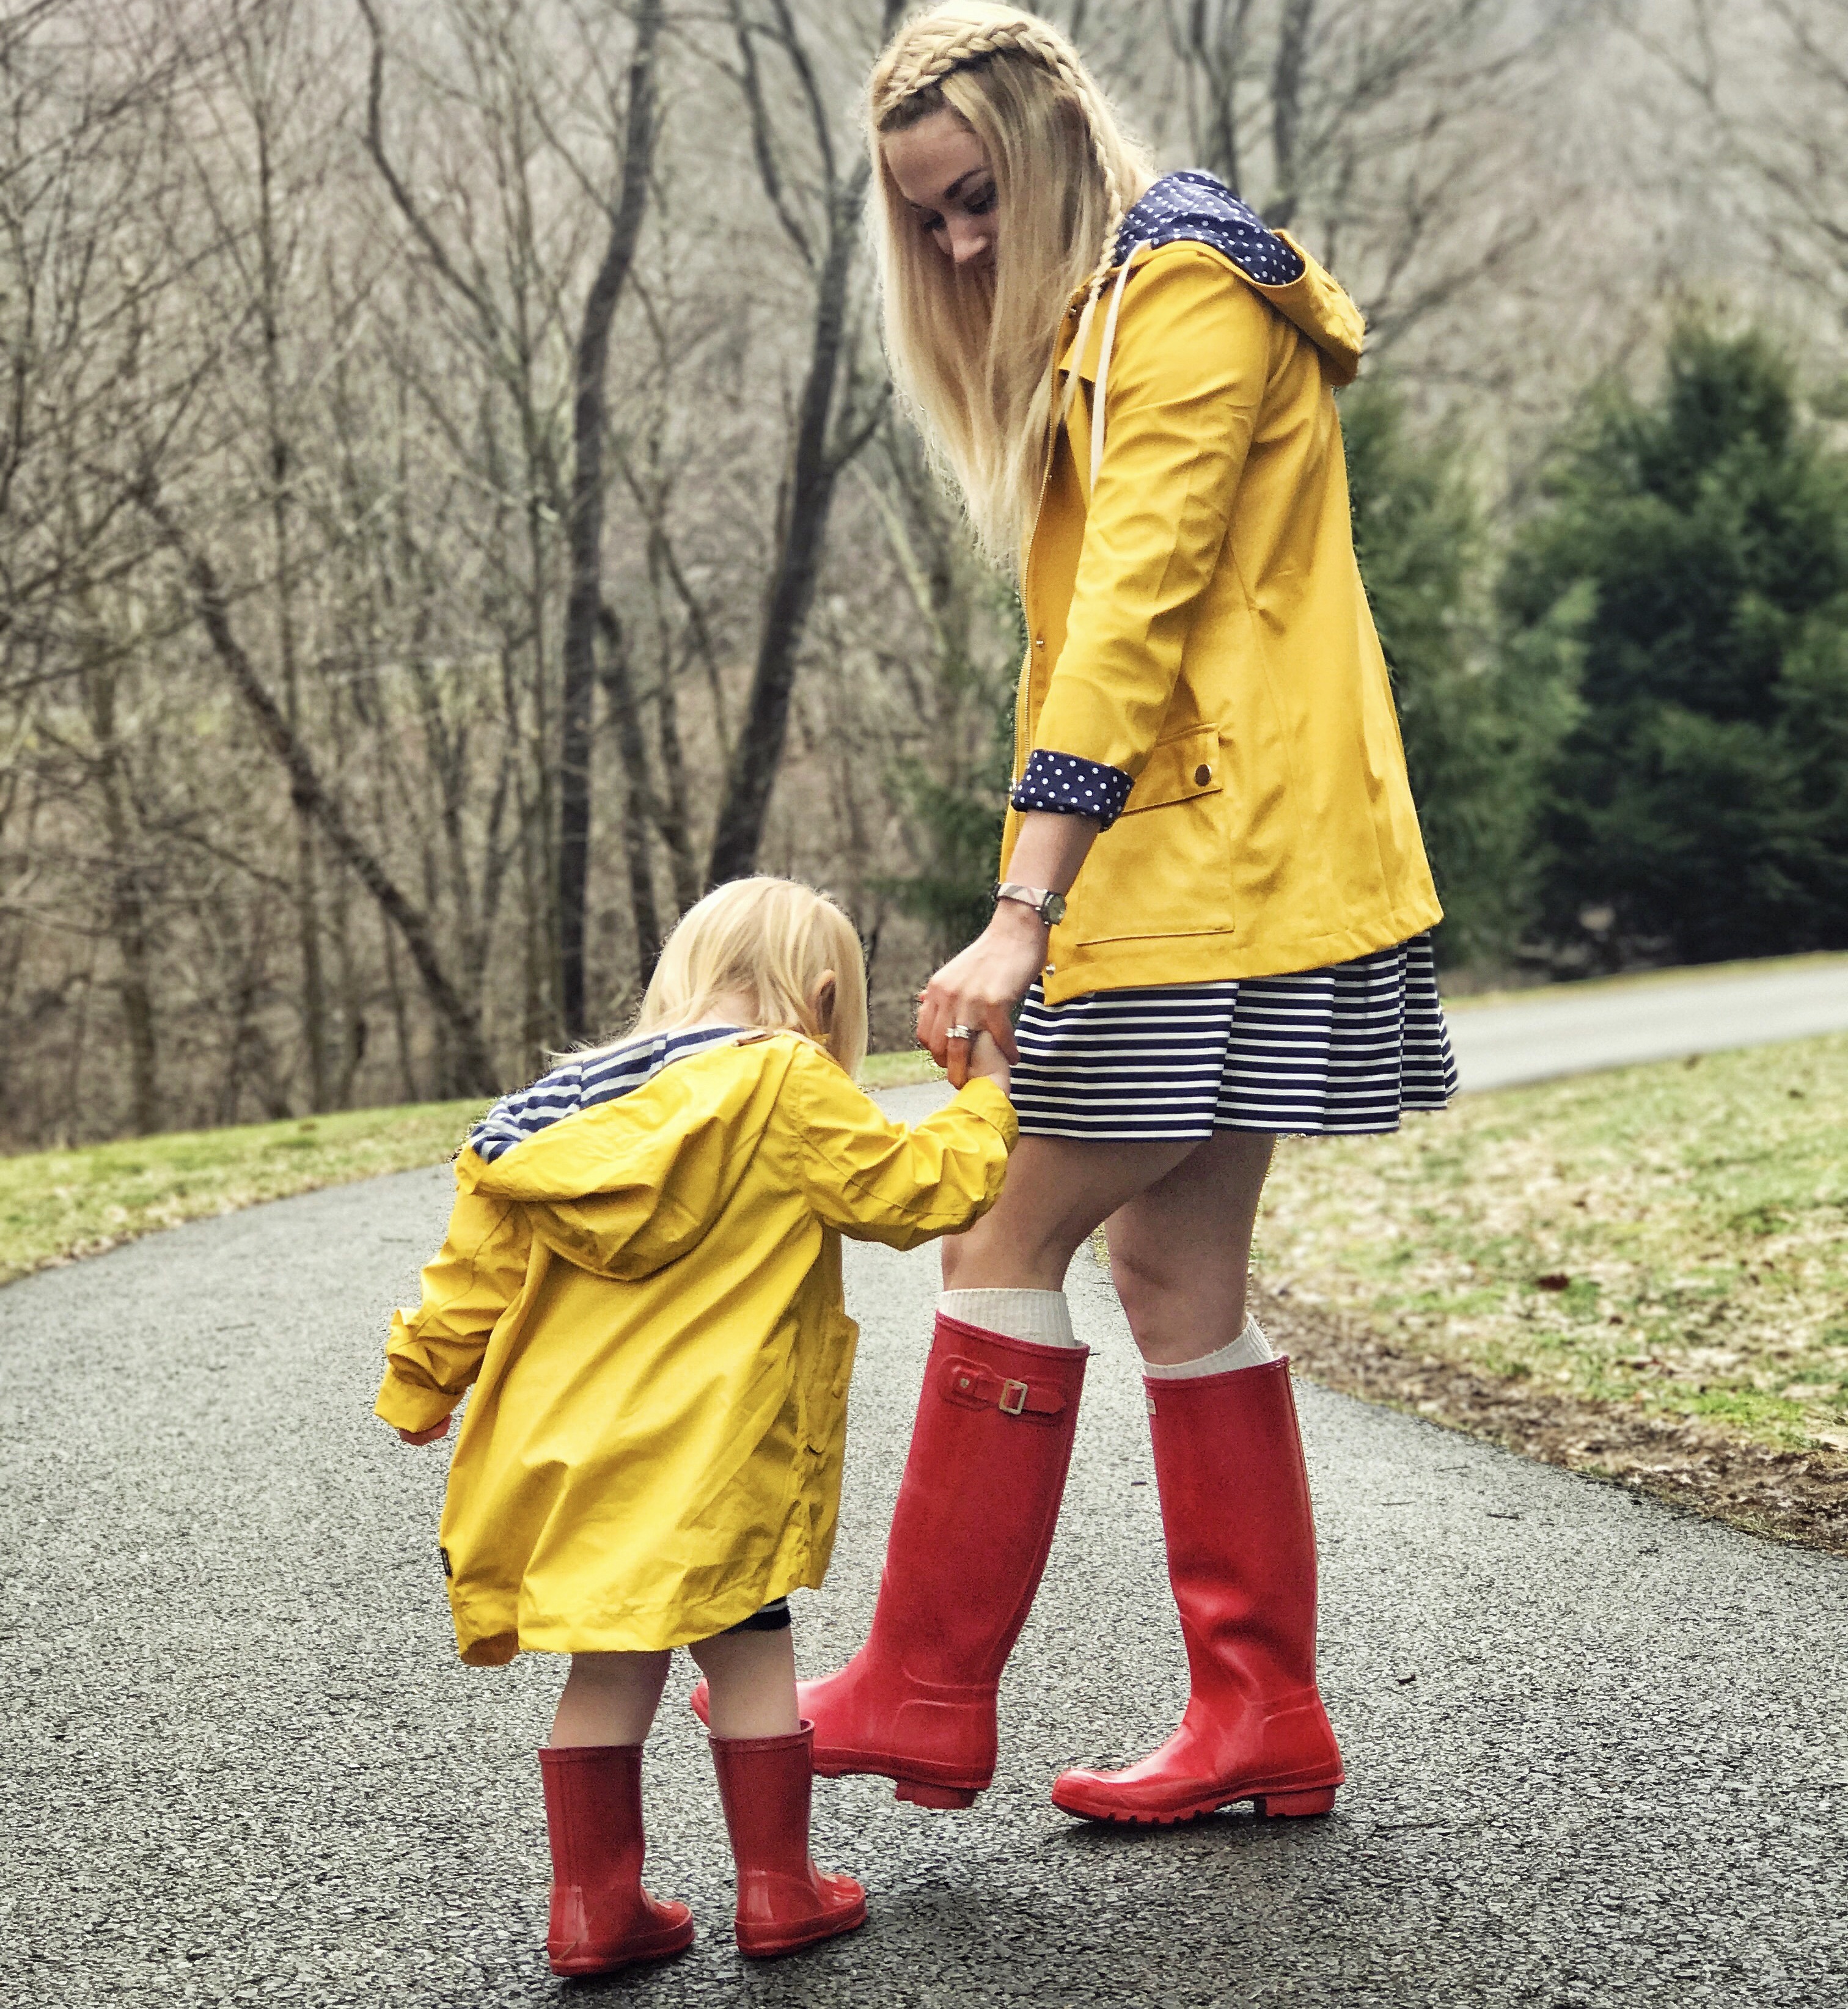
(987, 1059)
(427, 1436)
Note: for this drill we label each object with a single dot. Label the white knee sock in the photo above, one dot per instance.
(1250, 1349)
(1042, 1317)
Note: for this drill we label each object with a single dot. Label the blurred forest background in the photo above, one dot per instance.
(452, 512)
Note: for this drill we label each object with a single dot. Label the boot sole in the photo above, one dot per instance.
(918, 1792)
(665, 1947)
(1297, 1803)
(830, 1929)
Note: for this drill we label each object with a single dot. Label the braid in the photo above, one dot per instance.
(929, 47)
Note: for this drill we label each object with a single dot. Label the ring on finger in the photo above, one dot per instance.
(959, 1033)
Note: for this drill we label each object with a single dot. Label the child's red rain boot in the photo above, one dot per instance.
(969, 1537)
(785, 1903)
(602, 1918)
(1241, 1558)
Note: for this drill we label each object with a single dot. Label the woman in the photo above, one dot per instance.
(1214, 905)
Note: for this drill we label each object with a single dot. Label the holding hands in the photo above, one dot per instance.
(964, 1017)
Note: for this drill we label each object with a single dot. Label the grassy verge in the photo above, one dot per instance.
(1643, 1274)
(1661, 1252)
(1638, 980)
(55, 1205)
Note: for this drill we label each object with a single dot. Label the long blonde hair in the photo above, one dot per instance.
(771, 941)
(972, 352)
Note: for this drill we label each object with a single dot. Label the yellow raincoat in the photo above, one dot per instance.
(646, 1296)
(1198, 621)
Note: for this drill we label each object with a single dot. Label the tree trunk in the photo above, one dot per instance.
(638, 807)
(757, 751)
(128, 907)
(475, 1071)
(585, 600)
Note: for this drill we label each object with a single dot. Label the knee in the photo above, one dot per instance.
(1144, 1284)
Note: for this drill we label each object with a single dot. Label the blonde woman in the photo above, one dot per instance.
(641, 1284)
(1213, 901)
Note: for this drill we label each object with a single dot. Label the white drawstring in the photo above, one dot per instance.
(1096, 402)
(1078, 355)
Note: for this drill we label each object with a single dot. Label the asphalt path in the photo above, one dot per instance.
(1567, 1030)
(1596, 1750)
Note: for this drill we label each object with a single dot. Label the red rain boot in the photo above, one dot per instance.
(970, 1534)
(602, 1918)
(1241, 1558)
(785, 1903)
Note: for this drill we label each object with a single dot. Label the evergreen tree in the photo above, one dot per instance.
(1696, 547)
(1479, 728)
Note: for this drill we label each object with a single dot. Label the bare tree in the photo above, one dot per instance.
(584, 609)
(836, 416)
(1768, 86)
(1384, 130)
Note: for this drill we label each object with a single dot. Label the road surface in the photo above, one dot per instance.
(1570, 1030)
(1596, 1750)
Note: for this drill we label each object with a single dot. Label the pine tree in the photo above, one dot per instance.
(1478, 727)
(1696, 546)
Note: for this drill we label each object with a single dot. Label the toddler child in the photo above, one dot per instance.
(641, 1282)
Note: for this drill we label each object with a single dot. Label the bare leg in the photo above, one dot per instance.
(609, 1698)
(1058, 1192)
(751, 1677)
(1180, 1250)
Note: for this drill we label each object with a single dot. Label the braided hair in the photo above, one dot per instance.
(931, 46)
(972, 352)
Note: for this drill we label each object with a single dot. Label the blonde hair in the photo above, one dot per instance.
(972, 352)
(772, 941)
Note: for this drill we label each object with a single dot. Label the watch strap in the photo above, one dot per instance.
(1050, 906)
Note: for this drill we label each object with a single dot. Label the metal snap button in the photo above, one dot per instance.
(1202, 774)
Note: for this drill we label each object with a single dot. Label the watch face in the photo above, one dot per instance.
(1054, 909)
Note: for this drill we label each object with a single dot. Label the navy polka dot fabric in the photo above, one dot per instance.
(1193, 207)
(1071, 787)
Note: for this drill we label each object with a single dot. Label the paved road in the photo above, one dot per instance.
(1597, 1751)
(1568, 1031)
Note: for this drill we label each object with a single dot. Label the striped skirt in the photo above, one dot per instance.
(1325, 1052)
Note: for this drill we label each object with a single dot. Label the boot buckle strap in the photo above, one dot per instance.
(978, 1387)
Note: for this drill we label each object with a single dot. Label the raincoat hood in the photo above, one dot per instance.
(1193, 207)
(626, 1157)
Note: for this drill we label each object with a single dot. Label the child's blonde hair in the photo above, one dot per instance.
(972, 350)
(771, 941)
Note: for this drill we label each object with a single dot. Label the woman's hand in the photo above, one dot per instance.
(427, 1436)
(980, 988)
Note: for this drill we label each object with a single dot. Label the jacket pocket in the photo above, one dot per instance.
(1178, 770)
(1164, 867)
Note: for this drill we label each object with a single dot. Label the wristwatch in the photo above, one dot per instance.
(1050, 907)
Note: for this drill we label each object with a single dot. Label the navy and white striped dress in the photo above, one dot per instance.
(1339, 1050)
(1326, 1052)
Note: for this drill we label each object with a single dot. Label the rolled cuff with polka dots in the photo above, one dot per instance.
(1069, 786)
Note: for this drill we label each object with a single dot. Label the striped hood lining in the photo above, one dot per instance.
(585, 1081)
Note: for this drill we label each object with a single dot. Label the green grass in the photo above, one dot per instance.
(57, 1204)
(1637, 979)
(898, 1070)
(1674, 1236)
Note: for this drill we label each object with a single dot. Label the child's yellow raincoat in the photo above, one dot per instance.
(645, 1293)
